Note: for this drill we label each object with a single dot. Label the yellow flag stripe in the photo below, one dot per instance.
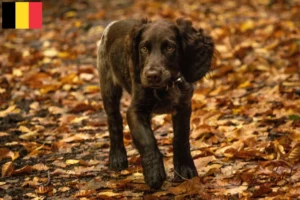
(22, 15)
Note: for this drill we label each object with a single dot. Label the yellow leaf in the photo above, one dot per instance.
(50, 53)
(49, 88)
(247, 25)
(244, 85)
(72, 162)
(263, 68)
(15, 156)
(78, 23)
(24, 129)
(70, 14)
(92, 89)
(29, 135)
(17, 72)
(236, 110)
(278, 149)
(69, 79)
(63, 54)
(9, 110)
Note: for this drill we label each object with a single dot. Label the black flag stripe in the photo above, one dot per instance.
(8, 15)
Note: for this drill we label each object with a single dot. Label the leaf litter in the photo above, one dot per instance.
(245, 137)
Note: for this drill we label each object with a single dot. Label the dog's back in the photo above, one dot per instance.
(112, 61)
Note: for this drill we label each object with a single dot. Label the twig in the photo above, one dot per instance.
(180, 175)
(49, 179)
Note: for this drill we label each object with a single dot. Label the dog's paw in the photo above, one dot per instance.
(185, 172)
(118, 159)
(154, 171)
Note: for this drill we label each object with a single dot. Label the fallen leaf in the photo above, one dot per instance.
(294, 154)
(44, 189)
(24, 170)
(236, 190)
(7, 169)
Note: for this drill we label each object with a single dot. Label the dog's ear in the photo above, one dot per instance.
(197, 50)
(133, 41)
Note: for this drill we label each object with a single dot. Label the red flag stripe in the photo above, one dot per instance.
(35, 15)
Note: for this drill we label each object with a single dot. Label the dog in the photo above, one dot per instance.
(157, 63)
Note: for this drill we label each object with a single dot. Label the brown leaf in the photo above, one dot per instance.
(44, 190)
(37, 80)
(236, 190)
(7, 169)
(2, 134)
(201, 130)
(6, 153)
(77, 137)
(62, 172)
(81, 107)
(202, 162)
(108, 194)
(294, 154)
(294, 192)
(192, 186)
(262, 190)
(235, 145)
(24, 170)
(34, 183)
(84, 193)
(40, 167)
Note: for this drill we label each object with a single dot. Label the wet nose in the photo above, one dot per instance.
(153, 76)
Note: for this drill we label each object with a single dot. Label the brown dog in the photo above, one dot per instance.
(157, 63)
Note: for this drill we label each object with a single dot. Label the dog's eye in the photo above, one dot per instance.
(144, 50)
(170, 49)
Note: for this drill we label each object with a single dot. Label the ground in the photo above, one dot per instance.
(245, 137)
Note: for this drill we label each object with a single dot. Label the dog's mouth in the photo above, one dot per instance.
(161, 82)
(171, 82)
(154, 86)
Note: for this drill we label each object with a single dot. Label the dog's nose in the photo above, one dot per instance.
(153, 76)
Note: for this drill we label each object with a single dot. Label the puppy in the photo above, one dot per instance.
(157, 63)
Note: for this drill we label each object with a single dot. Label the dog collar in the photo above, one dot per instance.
(174, 82)
(171, 84)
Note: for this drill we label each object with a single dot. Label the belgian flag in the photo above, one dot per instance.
(22, 15)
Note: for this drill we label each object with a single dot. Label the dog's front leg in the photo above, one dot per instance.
(144, 140)
(183, 163)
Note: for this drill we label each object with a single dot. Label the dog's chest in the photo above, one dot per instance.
(166, 101)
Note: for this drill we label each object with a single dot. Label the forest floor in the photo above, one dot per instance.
(245, 137)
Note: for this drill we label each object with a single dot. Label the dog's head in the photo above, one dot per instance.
(163, 51)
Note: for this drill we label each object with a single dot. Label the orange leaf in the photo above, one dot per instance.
(7, 169)
(24, 170)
